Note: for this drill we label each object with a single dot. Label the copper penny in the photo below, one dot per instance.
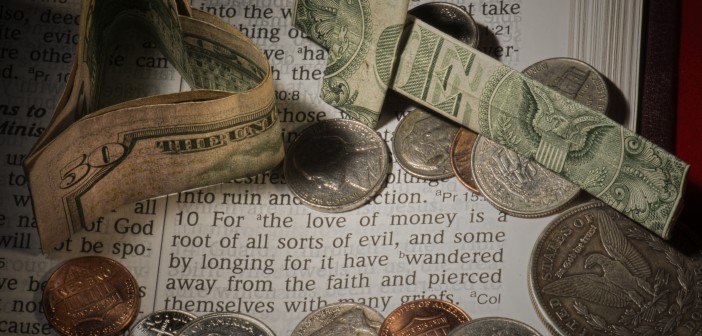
(461, 151)
(424, 317)
(90, 296)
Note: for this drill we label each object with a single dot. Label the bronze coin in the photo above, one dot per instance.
(461, 152)
(423, 317)
(90, 296)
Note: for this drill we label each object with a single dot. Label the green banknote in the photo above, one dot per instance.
(94, 158)
(629, 173)
(361, 37)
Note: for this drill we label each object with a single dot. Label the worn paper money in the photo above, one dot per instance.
(624, 170)
(361, 37)
(92, 159)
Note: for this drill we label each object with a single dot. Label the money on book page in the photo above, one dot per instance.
(624, 170)
(361, 37)
(92, 158)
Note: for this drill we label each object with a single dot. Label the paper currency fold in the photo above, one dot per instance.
(629, 173)
(92, 159)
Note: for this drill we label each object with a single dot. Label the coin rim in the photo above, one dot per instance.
(258, 323)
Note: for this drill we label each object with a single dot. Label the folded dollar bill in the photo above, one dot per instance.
(629, 173)
(92, 159)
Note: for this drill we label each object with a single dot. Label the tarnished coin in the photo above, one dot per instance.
(340, 319)
(230, 324)
(461, 152)
(336, 165)
(574, 79)
(424, 317)
(494, 326)
(161, 323)
(596, 272)
(450, 19)
(524, 188)
(90, 296)
(516, 185)
(422, 144)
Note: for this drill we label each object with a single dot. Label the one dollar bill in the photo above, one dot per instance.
(92, 159)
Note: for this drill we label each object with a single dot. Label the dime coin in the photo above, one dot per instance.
(339, 320)
(226, 324)
(494, 326)
(516, 185)
(90, 296)
(161, 323)
(595, 272)
(336, 165)
(461, 153)
(422, 143)
(573, 78)
(424, 317)
(450, 19)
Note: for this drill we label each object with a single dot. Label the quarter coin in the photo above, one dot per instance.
(340, 319)
(336, 165)
(595, 272)
(90, 296)
(423, 317)
(226, 324)
(422, 144)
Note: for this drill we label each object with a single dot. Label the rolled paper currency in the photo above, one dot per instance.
(92, 159)
(629, 173)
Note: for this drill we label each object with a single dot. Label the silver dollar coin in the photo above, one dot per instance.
(450, 19)
(229, 324)
(516, 185)
(340, 319)
(161, 323)
(422, 145)
(494, 326)
(595, 272)
(336, 165)
(529, 190)
(573, 78)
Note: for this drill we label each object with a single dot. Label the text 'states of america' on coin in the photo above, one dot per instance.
(336, 165)
(422, 144)
(423, 317)
(340, 319)
(90, 296)
(226, 324)
(595, 272)
(494, 326)
(161, 323)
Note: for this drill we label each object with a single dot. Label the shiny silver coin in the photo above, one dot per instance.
(161, 323)
(596, 272)
(336, 165)
(516, 185)
(450, 19)
(422, 145)
(574, 79)
(494, 326)
(340, 319)
(229, 324)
